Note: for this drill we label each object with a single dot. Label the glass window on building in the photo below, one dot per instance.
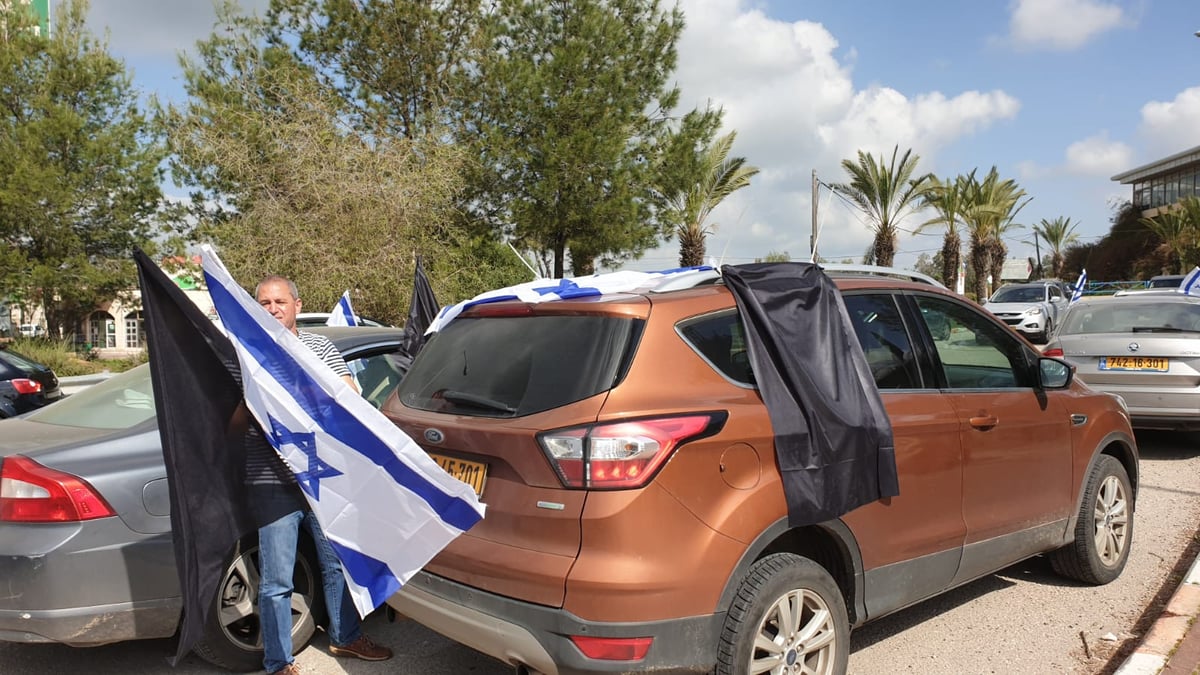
(1172, 189)
(102, 330)
(1187, 186)
(1157, 192)
(134, 329)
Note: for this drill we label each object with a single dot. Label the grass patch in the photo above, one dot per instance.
(65, 361)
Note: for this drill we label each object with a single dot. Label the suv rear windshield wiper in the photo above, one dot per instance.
(464, 398)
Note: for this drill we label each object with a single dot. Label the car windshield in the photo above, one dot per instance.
(1019, 294)
(1144, 316)
(514, 366)
(1165, 282)
(120, 402)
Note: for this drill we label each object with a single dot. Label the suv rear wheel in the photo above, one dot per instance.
(788, 617)
(1102, 532)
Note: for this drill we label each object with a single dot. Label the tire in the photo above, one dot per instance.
(232, 632)
(792, 604)
(1045, 337)
(1104, 530)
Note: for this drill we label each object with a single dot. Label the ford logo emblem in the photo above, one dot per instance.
(1133, 346)
(434, 436)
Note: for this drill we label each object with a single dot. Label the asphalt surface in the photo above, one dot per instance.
(1024, 619)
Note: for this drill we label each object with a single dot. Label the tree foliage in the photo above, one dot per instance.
(79, 168)
(291, 185)
(886, 191)
(1058, 235)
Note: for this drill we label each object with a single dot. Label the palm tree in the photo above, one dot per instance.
(1058, 235)
(720, 176)
(948, 199)
(1179, 230)
(885, 194)
(992, 205)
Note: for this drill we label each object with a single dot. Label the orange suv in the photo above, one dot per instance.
(636, 517)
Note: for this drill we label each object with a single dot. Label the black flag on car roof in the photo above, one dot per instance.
(833, 438)
(193, 367)
(421, 312)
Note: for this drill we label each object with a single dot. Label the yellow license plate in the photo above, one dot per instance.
(1134, 363)
(471, 473)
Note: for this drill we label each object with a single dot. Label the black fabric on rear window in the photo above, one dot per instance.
(833, 438)
(509, 366)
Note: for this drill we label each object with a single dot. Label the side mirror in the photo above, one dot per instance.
(1054, 374)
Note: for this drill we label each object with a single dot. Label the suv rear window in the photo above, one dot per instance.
(509, 366)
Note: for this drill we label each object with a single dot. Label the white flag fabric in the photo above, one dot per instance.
(1079, 286)
(545, 290)
(385, 506)
(343, 313)
(1191, 283)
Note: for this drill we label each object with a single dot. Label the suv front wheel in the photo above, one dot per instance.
(788, 617)
(1104, 527)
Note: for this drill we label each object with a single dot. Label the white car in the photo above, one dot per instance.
(1032, 308)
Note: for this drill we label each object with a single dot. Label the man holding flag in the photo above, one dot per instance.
(279, 507)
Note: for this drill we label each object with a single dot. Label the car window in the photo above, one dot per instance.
(1055, 293)
(884, 340)
(1019, 294)
(509, 366)
(120, 402)
(720, 339)
(1144, 316)
(378, 374)
(975, 353)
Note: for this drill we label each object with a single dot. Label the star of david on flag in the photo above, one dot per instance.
(386, 507)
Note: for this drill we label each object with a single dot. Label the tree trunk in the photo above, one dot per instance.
(951, 256)
(998, 253)
(979, 263)
(691, 246)
(885, 247)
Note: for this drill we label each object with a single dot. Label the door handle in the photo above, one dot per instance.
(1078, 419)
(984, 422)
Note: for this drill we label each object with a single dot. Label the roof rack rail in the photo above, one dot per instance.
(692, 279)
(875, 270)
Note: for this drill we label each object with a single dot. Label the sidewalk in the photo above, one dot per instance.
(1172, 647)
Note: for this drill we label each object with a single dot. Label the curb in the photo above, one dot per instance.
(1168, 630)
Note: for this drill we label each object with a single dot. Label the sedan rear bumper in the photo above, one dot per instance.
(534, 636)
(92, 626)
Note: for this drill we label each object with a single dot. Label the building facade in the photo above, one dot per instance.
(1163, 182)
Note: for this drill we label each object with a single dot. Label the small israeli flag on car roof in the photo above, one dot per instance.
(385, 505)
(1191, 283)
(343, 313)
(1081, 284)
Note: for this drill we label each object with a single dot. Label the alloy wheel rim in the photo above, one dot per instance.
(796, 636)
(1111, 516)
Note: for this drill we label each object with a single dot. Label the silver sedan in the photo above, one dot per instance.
(1143, 346)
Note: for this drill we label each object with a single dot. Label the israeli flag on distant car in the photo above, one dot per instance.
(343, 313)
(1191, 283)
(1079, 286)
(545, 290)
(385, 506)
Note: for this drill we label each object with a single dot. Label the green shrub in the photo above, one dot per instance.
(61, 356)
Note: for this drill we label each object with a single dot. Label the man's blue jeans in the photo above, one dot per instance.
(277, 544)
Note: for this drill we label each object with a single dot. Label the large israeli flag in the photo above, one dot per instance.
(343, 313)
(1191, 283)
(545, 290)
(385, 506)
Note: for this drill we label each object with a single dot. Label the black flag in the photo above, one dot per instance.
(833, 438)
(194, 367)
(421, 312)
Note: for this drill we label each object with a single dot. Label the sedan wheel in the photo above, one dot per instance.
(788, 617)
(1104, 527)
(233, 633)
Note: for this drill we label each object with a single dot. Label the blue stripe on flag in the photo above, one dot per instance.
(1190, 282)
(322, 407)
(367, 572)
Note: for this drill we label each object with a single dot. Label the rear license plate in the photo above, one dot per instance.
(471, 473)
(1140, 363)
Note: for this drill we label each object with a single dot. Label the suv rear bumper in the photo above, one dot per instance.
(521, 633)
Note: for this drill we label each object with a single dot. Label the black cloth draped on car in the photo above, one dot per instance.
(833, 438)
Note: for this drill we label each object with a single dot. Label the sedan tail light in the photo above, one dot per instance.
(1054, 351)
(624, 454)
(26, 386)
(32, 493)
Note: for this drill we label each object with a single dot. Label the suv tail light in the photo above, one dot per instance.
(620, 455)
(31, 493)
(26, 386)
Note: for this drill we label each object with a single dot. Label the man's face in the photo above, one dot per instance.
(276, 298)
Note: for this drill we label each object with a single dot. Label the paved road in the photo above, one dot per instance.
(1024, 619)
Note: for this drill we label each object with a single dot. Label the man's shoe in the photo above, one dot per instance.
(289, 669)
(362, 648)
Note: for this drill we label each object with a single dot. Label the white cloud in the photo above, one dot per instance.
(1170, 126)
(788, 92)
(1098, 156)
(1061, 24)
(158, 28)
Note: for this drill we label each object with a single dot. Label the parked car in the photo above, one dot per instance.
(31, 330)
(85, 542)
(1032, 308)
(30, 384)
(1165, 281)
(636, 518)
(1141, 345)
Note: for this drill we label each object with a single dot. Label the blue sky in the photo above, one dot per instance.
(1059, 95)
